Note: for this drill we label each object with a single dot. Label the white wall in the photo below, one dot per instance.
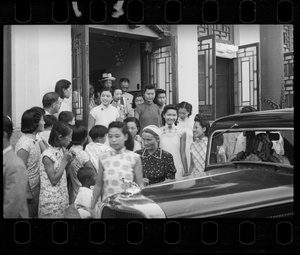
(41, 55)
(246, 34)
(187, 69)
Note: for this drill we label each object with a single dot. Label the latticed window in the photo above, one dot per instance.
(289, 78)
(223, 33)
(161, 70)
(288, 38)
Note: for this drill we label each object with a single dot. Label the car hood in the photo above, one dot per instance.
(225, 193)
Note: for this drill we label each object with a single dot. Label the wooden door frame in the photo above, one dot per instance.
(7, 82)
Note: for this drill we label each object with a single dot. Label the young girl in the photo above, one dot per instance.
(96, 148)
(54, 198)
(137, 99)
(186, 124)
(173, 140)
(64, 89)
(117, 164)
(116, 102)
(199, 147)
(81, 159)
(49, 122)
(105, 113)
(148, 113)
(134, 127)
(29, 150)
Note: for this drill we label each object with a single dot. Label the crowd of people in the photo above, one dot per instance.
(61, 168)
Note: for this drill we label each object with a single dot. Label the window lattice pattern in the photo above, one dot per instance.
(221, 32)
(246, 92)
(289, 78)
(288, 38)
(161, 70)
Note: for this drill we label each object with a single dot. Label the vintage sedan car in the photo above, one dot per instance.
(249, 173)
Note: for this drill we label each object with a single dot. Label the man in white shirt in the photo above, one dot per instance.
(126, 98)
(51, 103)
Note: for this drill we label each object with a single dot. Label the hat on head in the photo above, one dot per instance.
(107, 76)
(153, 128)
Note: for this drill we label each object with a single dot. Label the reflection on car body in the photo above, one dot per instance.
(256, 181)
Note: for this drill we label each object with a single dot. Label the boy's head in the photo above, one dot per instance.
(49, 121)
(67, 117)
(160, 97)
(98, 133)
(87, 176)
(79, 134)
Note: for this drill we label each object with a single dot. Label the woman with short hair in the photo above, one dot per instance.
(158, 165)
(29, 150)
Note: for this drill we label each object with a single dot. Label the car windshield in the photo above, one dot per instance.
(268, 146)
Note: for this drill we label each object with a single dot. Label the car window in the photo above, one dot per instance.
(275, 146)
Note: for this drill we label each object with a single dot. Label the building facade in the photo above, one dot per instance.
(217, 68)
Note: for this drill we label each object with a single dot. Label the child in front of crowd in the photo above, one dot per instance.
(49, 122)
(199, 146)
(173, 140)
(67, 117)
(186, 123)
(87, 177)
(97, 147)
(116, 102)
(148, 113)
(81, 159)
(134, 127)
(126, 164)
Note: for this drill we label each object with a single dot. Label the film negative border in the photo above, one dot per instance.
(150, 11)
(152, 236)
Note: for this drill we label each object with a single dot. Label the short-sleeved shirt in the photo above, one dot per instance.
(29, 143)
(198, 154)
(104, 115)
(157, 167)
(95, 150)
(149, 114)
(81, 158)
(115, 167)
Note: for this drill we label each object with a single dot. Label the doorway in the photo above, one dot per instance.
(224, 87)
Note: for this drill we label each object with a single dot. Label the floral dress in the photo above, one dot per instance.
(29, 143)
(115, 167)
(54, 199)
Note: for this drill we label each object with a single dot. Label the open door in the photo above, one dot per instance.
(207, 76)
(80, 73)
(246, 77)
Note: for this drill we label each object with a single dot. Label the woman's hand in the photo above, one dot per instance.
(69, 155)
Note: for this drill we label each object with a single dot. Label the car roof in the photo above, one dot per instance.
(279, 118)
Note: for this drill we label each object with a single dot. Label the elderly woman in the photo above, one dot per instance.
(158, 164)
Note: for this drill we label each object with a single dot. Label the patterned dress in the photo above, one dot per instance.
(29, 143)
(81, 158)
(115, 167)
(198, 153)
(157, 167)
(54, 199)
